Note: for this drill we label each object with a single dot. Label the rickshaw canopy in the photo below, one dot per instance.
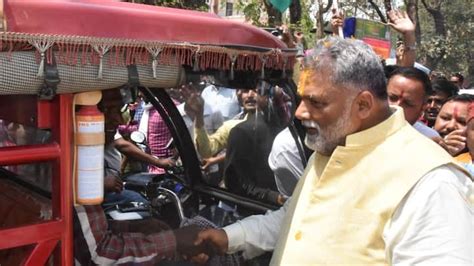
(101, 38)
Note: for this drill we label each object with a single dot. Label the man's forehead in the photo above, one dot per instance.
(312, 82)
(460, 108)
(407, 85)
(438, 94)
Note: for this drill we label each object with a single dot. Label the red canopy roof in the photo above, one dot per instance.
(113, 19)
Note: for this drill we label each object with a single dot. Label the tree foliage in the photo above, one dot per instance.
(445, 29)
(448, 47)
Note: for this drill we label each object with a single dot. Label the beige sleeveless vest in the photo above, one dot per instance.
(342, 203)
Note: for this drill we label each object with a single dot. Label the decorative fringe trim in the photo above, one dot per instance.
(283, 69)
(233, 58)
(42, 46)
(101, 49)
(76, 50)
(264, 59)
(154, 51)
(196, 59)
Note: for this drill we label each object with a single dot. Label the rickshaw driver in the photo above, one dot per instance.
(145, 241)
(113, 158)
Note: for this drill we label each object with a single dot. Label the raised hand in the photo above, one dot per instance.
(298, 35)
(195, 105)
(400, 21)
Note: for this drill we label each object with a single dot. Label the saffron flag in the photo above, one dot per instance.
(281, 5)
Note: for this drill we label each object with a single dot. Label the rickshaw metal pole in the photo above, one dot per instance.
(41, 252)
(29, 154)
(30, 234)
(65, 178)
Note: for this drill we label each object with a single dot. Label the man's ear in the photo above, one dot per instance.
(364, 103)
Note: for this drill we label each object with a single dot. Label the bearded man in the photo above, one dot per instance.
(374, 192)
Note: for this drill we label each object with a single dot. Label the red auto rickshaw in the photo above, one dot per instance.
(55, 50)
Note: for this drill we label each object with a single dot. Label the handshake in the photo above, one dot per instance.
(198, 245)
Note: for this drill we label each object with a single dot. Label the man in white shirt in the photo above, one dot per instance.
(374, 191)
(286, 162)
(223, 100)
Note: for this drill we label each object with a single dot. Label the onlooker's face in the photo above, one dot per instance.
(434, 104)
(452, 116)
(113, 116)
(409, 94)
(250, 100)
(326, 115)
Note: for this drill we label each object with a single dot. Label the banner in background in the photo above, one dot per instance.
(375, 34)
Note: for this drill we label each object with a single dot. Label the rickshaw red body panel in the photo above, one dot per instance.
(112, 19)
(45, 236)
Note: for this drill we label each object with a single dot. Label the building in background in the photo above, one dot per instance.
(226, 9)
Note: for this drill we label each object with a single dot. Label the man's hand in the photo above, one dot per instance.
(215, 239)
(454, 142)
(286, 36)
(112, 184)
(195, 104)
(166, 163)
(298, 37)
(281, 199)
(208, 162)
(400, 21)
(186, 243)
(195, 107)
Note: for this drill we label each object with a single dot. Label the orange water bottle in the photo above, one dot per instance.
(89, 140)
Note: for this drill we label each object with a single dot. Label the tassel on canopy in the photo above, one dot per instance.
(101, 49)
(283, 70)
(264, 59)
(196, 59)
(42, 46)
(154, 51)
(233, 58)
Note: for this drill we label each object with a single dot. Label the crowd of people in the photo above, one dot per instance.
(389, 181)
(375, 191)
